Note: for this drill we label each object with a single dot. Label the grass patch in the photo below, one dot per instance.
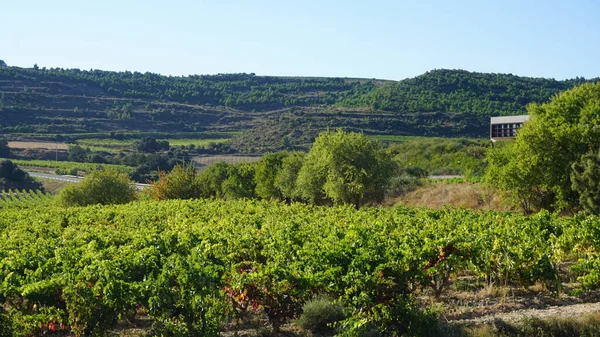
(68, 165)
(582, 325)
(469, 196)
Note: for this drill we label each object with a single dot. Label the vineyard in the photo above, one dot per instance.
(190, 266)
(63, 167)
(24, 198)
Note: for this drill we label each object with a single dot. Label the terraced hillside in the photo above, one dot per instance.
(261, 112)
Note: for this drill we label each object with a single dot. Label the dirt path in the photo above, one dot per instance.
(565, 311)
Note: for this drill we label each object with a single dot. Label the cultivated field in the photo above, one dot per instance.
(202, 163)
(38, 145)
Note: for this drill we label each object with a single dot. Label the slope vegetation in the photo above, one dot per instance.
(261, 111)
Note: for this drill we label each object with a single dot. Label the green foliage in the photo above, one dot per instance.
(320, 313)
(181, 183)
(346, 168)
(24, 198)
(267, 169)
(12, 177)
(585, 177)
(240, 182)
(70, 166)
(212, 179)
(442, 156)
(191, 263)
(79, 154)
(151, 145)
(99, 187)
(287, 176)
(538, 166)
(462, 91)
(4, 149)
(439, 103)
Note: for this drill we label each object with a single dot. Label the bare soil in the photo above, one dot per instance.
(565, 311)
(38, 145)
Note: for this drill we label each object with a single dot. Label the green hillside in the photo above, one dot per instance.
(262, 112)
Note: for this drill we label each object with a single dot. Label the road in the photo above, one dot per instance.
(444, 177)
(72, 179)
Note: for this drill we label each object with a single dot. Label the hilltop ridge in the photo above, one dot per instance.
(261, 110)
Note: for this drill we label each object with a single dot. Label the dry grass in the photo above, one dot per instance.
(469, 196)
(202, 163)
(38, 145)
(53, 186)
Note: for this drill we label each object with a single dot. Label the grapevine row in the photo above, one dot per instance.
(191, 264)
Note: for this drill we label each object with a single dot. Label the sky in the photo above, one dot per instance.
(383, 39)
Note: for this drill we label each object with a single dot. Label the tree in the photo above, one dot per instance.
(99, 187)
(285, 180)
(4, 149)
(345, 168)
(538, 166)
(266, 171)
(3, 64)
(212, 180)
(79, 154)
(151, 145)
(181, 183)
(240, 181)
(585, 180)
(12, 177)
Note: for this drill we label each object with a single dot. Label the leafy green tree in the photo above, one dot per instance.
(4, 149)
(3, 64)
(558, 134)
(212, 180)
(345, 168)
(516, 177)
(12, 177)
(285, 180)
(181, 183)
(99, 187)
(151, 145)
(266, 171)
(585, 180)
(79, 154)
(240, 181)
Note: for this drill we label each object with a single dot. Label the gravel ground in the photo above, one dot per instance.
(565, 311)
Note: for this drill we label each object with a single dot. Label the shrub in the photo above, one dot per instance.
(319, 313)
(99, 187)
(181, 183)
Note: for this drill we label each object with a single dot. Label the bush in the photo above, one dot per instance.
(400, 185)
(319, 313)
(99, 187)
(71, 171)
(6, 325)
(181, 183)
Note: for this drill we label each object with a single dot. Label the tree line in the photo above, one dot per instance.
(437, 90)
(554, 163)
(341, 168)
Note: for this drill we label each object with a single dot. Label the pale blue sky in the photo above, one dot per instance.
(373, 39)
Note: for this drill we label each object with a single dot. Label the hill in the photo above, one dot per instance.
(261, 112)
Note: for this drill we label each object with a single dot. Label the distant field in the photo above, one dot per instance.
(123, 143)
(105, 142)
(38, 145)
(202, 163)
(196, 142)
(67, 165)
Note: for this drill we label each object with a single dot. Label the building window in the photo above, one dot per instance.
(505, 130)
